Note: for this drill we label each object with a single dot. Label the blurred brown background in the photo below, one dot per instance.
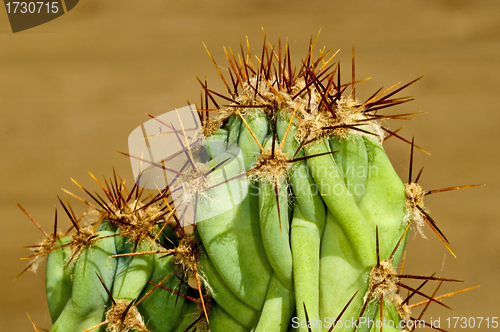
(73, 89)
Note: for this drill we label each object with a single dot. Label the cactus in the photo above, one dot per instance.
(300, 218)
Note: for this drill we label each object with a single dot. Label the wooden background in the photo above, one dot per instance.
(73, 89)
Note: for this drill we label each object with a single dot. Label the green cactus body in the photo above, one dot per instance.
(162, 309)
(234, 236)
(78, 291)
(278, 309)
(86, 307)
(58, 281)
(273, 205)
(221, 321)
(307, 227)
(340, 202)
(299, 215)
(132, 275)
(225, 298)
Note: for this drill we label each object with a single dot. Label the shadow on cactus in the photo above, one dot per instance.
(280, 212)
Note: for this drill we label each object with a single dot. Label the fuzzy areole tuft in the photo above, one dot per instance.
(383, 283)
(123, 316)
(383, 280)
(84, 238)
(45, 246)
(270, 166)
(413, 201)
(187, 254)
(136, 220)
